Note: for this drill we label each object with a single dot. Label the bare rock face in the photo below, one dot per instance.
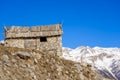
(23, 64)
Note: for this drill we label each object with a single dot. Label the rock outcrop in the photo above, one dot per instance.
(25, 64)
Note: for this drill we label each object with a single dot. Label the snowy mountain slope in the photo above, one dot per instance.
(2, 41)
(105, 61)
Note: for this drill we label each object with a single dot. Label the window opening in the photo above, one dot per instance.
(43, 39)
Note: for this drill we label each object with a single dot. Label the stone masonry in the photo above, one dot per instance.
(46, 38)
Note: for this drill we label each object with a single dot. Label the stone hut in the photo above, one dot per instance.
(45, 38)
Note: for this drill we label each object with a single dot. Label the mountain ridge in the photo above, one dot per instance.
(101, 59)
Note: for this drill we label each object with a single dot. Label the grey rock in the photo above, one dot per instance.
(23, 55)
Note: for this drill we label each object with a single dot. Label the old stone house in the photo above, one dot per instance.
(46, 38)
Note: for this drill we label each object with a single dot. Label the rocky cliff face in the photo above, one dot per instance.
(24, 64)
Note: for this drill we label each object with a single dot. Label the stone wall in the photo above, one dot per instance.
(14, 43)
(54, 43)
(34, 31)
(32, 34)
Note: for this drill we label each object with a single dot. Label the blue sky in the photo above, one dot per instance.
(85, 22)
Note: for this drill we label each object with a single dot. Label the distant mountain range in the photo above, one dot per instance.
(105, 61)
(2, 41)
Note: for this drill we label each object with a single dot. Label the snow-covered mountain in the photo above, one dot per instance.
(2, 41)
(105, 61)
